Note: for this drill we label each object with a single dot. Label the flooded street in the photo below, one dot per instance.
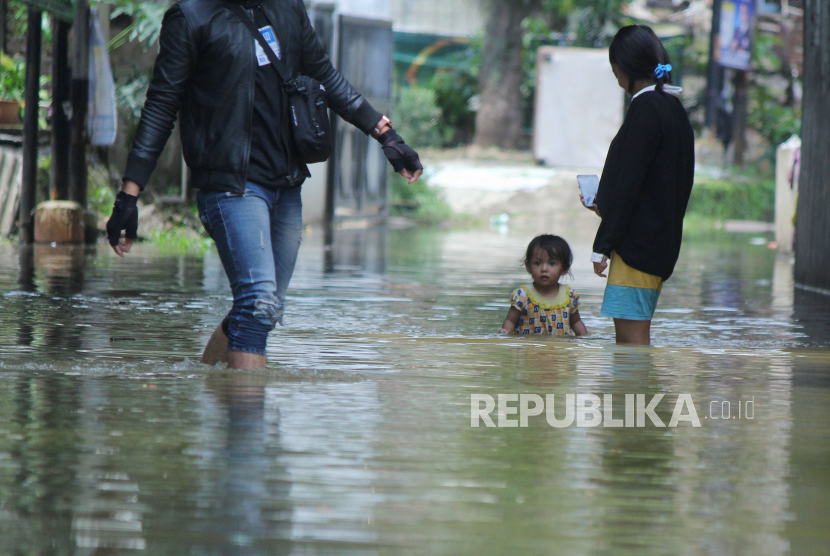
(358, 440)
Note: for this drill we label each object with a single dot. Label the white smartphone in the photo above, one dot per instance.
(588, 184)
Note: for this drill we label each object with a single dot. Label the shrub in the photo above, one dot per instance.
(416, 117)
(731, 200)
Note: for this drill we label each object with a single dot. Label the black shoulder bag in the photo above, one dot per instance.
(306, 99)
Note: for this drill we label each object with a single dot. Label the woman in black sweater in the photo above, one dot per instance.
(645, 186)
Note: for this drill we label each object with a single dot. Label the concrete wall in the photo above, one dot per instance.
(440, 17)
(579, 107)
(369, 9)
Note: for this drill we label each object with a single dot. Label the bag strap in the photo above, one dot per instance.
(276, 62)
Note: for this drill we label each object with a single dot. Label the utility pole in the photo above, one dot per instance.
(30, 118)
(812, 243)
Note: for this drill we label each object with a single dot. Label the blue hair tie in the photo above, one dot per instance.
(662, 70)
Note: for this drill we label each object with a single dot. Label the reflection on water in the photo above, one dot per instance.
(357, 439)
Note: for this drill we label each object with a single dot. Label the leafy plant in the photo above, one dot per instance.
(13, 80)
(594, 22)
(454, 88)
(130, 93)
(146, 25)
(773, 111)
(13, 85)
(771, 117)
(18, 24)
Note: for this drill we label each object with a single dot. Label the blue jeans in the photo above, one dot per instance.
(257, 234)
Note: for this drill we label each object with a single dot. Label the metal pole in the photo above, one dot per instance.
(713, 74)
(80, 96)
(30, 117)
(739, 115)
(61, 131)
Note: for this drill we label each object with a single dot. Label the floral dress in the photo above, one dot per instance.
(544, 315)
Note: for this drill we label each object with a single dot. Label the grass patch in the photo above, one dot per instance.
(178, 240)
(418, 201)
(724, 199)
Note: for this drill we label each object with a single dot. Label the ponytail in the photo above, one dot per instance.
(638, 52)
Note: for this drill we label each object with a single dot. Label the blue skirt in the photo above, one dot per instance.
(630, 294)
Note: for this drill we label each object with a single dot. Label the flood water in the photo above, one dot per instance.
(357, 438)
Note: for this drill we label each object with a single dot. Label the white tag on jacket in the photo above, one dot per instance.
(271, 39)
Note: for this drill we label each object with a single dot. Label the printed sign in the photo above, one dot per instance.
(736, 34)
(271, 38)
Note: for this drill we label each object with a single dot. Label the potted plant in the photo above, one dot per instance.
(12, 85)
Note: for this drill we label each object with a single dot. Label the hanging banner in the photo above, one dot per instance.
(102, 122)
(63, 9)
(736, 34)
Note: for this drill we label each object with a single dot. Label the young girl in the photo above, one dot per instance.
(645, 186)
(546, 307)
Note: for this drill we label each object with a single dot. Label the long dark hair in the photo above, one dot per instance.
(637, 51)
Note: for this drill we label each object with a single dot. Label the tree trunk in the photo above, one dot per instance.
(812, 249)
(499, 118)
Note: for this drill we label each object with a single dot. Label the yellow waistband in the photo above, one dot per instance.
(623, 275)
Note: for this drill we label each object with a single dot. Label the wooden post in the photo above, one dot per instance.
(30, 117)
(812, 240)
(80, 96)
(61, 130)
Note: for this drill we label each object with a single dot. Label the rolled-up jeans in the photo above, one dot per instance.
(257, 235)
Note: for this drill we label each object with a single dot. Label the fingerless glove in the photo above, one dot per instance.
(124, 217)
(398, 153)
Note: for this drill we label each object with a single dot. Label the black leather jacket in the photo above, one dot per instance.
(205, 68)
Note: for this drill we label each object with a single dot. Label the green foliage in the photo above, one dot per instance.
(770, 116)
(764, 57)
(417, 115)
(772, 110)
(453, 90)
(13, 80)
(13, 84)
(595, 22)
(731, 200)
(130, 93)
(101, 198)
(177, 240)
(100, 190)
(18, 24)
(418, 201)
(146, 25)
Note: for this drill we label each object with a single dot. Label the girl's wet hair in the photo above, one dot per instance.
(637, 51)
(556, 248)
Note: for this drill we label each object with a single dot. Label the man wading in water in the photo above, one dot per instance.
(238, 145)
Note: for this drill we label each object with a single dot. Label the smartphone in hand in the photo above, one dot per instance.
(588, 185)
